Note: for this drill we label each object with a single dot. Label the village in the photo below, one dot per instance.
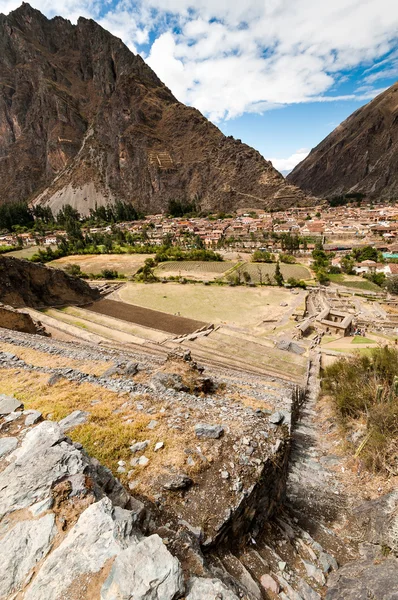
(339, 229)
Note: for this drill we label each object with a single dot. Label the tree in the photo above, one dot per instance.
(262, 256)
(322, 276)
(348, 264)
(392, 285)
(278, 275)
(246, 276)
(260, 274)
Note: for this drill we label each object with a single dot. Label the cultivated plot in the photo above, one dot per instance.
(127, 264)
(206, 270)
(259, 271)
(146, 317)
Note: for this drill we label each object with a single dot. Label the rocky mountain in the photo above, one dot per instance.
(85, 121)
(360, 155)
(23, 283)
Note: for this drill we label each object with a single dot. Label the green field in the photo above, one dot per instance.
(358, 339)
(193, 268)
(27, 252)
(240, 306)
(351, 281)
(296, 271)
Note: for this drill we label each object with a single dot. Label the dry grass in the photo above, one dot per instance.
(37, 358)
(108, 434)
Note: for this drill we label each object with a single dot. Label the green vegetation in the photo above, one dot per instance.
(15, 214)
(358, 339)
(262, 256)
(358, 284)
(364, 391)
(344, 199)
(392, 284)
(5, 249)
(278, 275)
(287, 259)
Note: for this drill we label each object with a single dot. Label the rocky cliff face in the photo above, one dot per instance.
(23, 283)
(83, 120)
(360, 155)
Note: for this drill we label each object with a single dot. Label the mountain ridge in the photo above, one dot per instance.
(86, 121)
(360, 155)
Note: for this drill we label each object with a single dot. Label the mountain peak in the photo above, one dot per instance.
(360, 155)
(86, 122)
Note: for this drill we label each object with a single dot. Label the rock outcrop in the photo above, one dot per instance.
(62, 536)
(23, 283)
(360, 155)
(17, 320)
(85, 121)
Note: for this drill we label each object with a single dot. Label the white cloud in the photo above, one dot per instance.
(227, 57)
(285, 165)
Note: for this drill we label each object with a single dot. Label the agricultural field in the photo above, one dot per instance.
(145, 317)
(355, 282)
(127, 264)
(254, 269)
(27, 252)
(238, 306)
(202, 270)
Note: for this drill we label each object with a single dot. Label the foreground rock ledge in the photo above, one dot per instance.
(62, 537)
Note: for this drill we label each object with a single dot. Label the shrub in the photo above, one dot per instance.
(287, 259)
(365, 388)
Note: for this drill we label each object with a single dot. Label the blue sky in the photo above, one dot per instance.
(278, 74)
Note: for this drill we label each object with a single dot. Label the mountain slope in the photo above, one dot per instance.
(83, 120)
(360, 155)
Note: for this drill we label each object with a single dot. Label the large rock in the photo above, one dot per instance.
(365, 579)
(9, 404)
(378, 520)
(208, 589)
(85, 550)
(77, 417)
(42, 459)
(22, 548)
(146, 571)
(7, 445)
(203, 430)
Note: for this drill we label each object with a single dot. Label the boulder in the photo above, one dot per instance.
(208, 589)
(180, 481)
(378, 520)
(139, 446)
(203, 430)
(41, 459)
(9, 404)
(145, 571)
(364, 579)
(22, 548)
(7, 445)
(77, 417)
(32, 417)
(269, 584)
(96, 538)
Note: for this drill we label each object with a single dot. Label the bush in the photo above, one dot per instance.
(364, 388)
(293, 282)
(287, 259)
